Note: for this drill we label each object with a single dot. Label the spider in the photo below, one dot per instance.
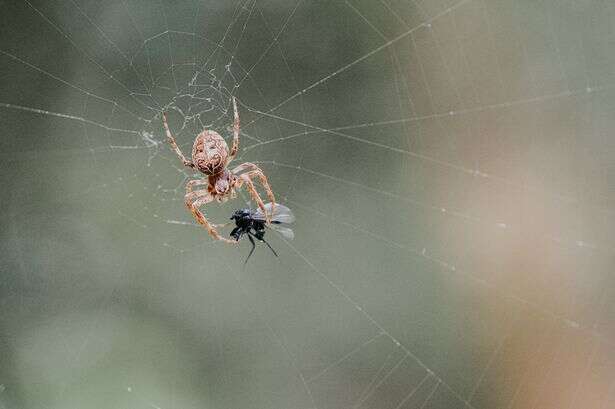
(211, 156)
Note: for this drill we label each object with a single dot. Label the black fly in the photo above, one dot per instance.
(252, 223)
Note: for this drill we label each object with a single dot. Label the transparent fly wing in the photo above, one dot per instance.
(281, 213)
(284, 231)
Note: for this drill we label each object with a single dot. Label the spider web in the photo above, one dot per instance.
(450, 165)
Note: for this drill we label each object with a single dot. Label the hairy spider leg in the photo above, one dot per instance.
(235, 147)
(202, 197)
(253, 171)
(191, 197)
(195, 182)
(254, 193)
(263, 179)
(171, 140)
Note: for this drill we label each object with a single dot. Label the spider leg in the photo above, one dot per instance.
(254, 170)
(196, 199)
(235, 147)
(171, 140)
(263, 179)
(252, 250)
(192, 197)
(254, 193)
(195, 182)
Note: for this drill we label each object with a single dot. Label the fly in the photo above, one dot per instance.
(253, 224)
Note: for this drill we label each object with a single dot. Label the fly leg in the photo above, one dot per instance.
(251, 251)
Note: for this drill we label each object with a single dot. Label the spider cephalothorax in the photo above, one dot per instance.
(211, 156)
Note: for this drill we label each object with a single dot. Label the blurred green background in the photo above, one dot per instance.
(451, 164)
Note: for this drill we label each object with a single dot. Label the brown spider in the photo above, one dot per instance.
(210, 155)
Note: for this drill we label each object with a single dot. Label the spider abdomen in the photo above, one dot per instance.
(210, 152)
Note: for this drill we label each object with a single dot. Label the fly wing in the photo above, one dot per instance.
(284, 231)
(281, 213)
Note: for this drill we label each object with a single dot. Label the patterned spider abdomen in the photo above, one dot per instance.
(210, 152)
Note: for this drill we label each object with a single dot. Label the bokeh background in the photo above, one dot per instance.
(451, 164)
